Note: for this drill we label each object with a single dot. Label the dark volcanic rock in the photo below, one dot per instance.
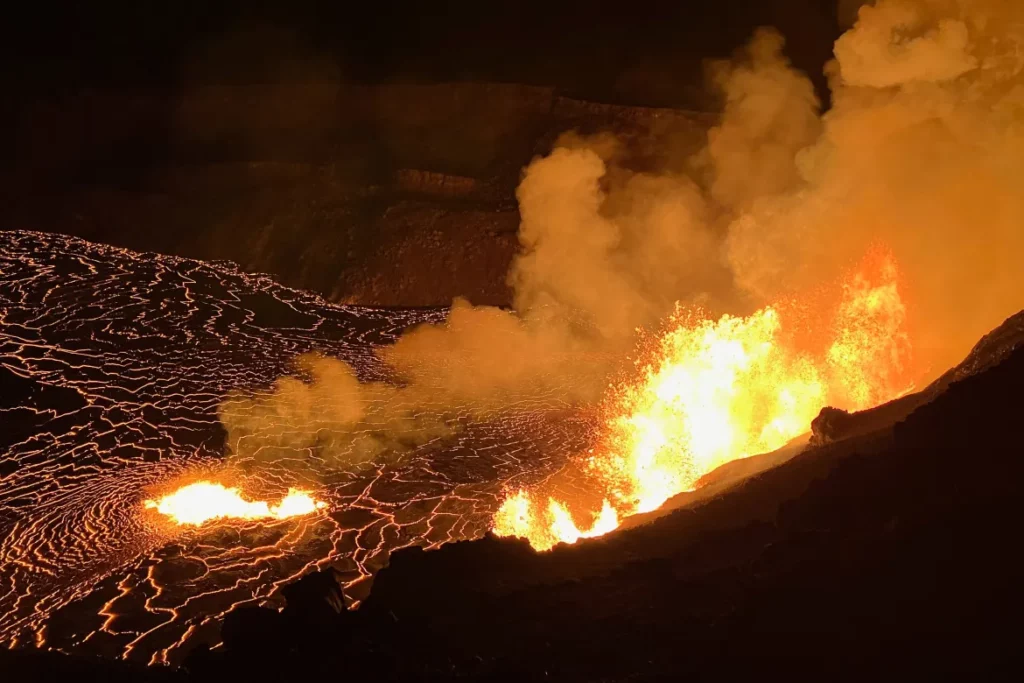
(263, 643)
(831, 423)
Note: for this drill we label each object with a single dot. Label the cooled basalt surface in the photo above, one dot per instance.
(112, 365)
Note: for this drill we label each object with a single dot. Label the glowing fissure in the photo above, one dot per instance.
(719, 390)
(204, 501)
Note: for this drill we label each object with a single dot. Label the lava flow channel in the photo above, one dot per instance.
(714, 391)
(203, 501)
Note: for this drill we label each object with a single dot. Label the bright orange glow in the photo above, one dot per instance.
(719, 390)
(868, 357)
(203, 501)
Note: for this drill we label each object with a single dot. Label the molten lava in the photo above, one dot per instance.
(203, 501)
(719, 390)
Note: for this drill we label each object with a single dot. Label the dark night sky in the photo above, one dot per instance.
(647, 52)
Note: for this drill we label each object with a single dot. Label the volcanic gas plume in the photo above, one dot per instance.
(736, 279)
(711, 391)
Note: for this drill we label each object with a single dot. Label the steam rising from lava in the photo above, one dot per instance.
(922, 151)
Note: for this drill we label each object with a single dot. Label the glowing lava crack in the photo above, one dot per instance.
(204, 501)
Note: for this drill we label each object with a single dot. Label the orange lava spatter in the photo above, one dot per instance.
(719, 390)
(203, 501)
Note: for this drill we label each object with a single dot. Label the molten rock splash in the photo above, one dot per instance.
(718, 390)
(203, 501)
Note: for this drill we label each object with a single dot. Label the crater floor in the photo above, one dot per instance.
(112, 366)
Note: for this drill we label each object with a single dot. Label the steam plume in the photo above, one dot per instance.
(923, 150)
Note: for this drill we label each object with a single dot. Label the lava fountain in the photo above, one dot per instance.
(204, 501)
(713, 391)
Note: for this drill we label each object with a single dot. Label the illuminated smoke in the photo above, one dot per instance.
(922, 151)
